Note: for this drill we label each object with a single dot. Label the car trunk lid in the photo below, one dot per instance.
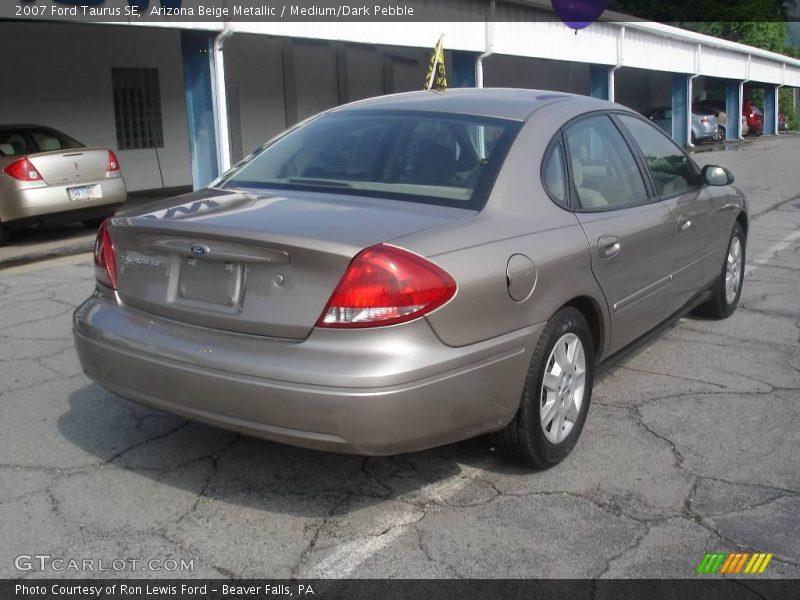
(71, 166)
(261, 264)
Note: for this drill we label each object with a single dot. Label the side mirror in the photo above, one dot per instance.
(714, 175)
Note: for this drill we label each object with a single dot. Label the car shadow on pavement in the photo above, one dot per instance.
(130, 441)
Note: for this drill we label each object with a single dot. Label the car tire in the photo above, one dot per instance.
(5, 235)
(93, 223)
(536, 441)
(727, 289)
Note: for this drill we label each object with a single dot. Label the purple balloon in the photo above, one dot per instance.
(578, 14)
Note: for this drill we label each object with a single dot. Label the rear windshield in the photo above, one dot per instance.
(33, 140)
(420, 157)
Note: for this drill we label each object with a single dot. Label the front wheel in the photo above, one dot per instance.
(727, 289)
(556, 396)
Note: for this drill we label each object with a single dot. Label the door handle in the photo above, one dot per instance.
(684, 223)
(608, 246)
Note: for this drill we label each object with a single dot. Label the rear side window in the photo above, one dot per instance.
(673, 172)
(604, 170)
(555, 181)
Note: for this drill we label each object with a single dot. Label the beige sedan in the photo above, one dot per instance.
(47, 176)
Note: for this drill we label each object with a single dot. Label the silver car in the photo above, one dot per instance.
(413, 270)
(45, 175)
(704, 125)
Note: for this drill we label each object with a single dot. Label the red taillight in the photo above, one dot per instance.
(105, 265)
(23, 170)
(385, 285)
(113, 163)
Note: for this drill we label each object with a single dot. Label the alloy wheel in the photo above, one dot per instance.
(733, 270)
(563, 388)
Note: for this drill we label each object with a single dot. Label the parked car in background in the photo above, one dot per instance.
(718, 108)
(704, 124)
(754, 116)
(412, 270)
(47, 176)
(706, 107)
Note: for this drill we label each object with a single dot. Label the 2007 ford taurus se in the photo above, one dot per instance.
(413, 270)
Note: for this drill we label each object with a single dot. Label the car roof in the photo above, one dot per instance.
(502, 103)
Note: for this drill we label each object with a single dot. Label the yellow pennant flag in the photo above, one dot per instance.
(436, 78)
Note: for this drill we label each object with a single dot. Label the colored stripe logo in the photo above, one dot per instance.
(734, 564)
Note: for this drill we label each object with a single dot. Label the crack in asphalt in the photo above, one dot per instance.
(681, 377)
(317, 529)
(423, 547)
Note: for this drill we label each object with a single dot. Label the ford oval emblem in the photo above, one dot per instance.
(197, 250)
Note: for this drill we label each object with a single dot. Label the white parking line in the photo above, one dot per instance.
(771, 252)
(347, 557)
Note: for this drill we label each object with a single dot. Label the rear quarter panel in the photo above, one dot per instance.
(519, 218)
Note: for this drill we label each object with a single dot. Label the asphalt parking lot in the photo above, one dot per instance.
(691, 445)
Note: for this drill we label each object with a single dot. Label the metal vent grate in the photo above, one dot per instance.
(137, 108)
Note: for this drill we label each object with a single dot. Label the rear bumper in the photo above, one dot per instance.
(706, 133)
(19, 205)
(380, 391)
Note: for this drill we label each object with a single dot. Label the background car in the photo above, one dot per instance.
(718, 107)
(754, 116)
(705, 107)
(412, 270)
(47, 176)
(704, 123)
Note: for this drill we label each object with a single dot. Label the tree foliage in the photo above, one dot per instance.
(761, 34)
(674, 11)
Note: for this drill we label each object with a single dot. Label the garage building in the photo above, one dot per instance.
(179, 102)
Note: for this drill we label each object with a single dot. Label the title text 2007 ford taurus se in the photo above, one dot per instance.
(412, 270)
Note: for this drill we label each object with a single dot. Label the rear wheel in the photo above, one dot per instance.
(556, 396)
(5, 235)
(728, 288)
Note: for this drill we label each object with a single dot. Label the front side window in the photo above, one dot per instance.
(604, 170)
(673, 172)
(427, 157)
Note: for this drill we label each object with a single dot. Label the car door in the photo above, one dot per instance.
(700, 229)
(630, 235)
